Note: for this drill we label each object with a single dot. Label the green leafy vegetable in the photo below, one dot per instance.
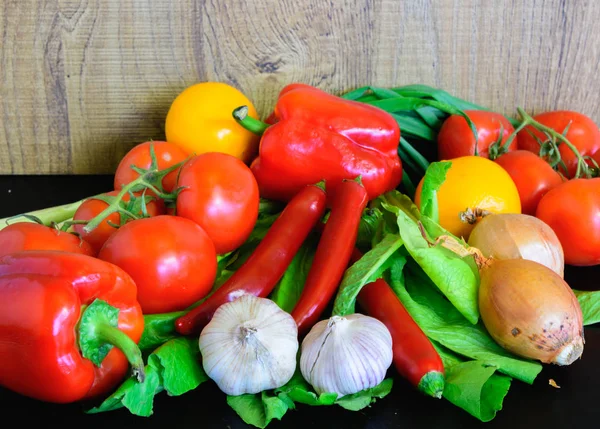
(174, 367)
(442, 322)
(453, 275)
(259, 409)
(360, 400)
(158, 329)
(473, 386)
(434, 178)
(298, 390)
(589, 301)
(287, 292)
(366, 270)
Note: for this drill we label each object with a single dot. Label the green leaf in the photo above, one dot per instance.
(367, 228)
(136, 397)
(362, 399)
(454, 276)
(589, 301)
(434, 178)
(472, 385)
(158, 329)
(442, 322)
(298, 390)
(429, 116)
(415, 127)
(93, 346)
(287, 292)
(175, 367)
(259, 409)
(180, 365)
(366, 270)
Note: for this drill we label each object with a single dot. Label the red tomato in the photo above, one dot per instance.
(33, 236)
(167, 155)
(583, 133)
(91, 207)
(533, 176)
(456, 139)
(221, 196)
(171, 260)
(573, 211)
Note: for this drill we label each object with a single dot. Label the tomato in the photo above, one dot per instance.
(583, 133)
(476, 183)
(220, 195)
(21, 236)
(200, 120)
(572, 210)
(532, 175)
(91, 207)
(167, 155)
(171, 260)
(456, 139)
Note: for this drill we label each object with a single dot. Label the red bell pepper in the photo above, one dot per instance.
(60, 316)
(318, 136)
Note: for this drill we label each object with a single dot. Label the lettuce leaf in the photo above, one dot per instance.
(174, 367)
(366, 270)
(442, 322)
(454, 276)
(589, 301)
(472, 385)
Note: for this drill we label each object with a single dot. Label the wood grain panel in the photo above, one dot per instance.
(82, 81)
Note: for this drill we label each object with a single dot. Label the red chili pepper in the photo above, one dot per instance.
(332, 255)
(59, 315)
(415, 358)
(267, 264)
(318, 136)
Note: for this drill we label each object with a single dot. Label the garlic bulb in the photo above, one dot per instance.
(250, 345)
(346, 354)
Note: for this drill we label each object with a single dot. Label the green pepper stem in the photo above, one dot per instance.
(46, 216)
(253, 125)
(114, 336)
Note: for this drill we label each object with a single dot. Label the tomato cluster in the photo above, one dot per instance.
(170, 252)
(552, 158)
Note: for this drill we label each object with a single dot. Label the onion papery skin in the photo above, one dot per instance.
(531, 311)
(518, 236)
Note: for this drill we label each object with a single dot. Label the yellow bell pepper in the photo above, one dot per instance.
(200, 120)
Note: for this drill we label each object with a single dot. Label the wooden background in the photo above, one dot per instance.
(82, 81)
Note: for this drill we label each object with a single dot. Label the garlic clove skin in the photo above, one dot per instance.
(250, 345)
(346, 354)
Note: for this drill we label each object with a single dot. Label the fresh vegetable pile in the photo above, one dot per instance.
(311, 259)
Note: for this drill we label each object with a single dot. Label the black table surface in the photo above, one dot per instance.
(575, 404)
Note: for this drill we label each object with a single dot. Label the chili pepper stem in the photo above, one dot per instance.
(432, 384)
(114, 336)
(253, 125)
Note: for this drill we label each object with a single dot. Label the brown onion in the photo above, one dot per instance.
(518, 236)
(531, 311)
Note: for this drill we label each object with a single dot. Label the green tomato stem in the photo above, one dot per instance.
(528, 120)
(47, 216)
